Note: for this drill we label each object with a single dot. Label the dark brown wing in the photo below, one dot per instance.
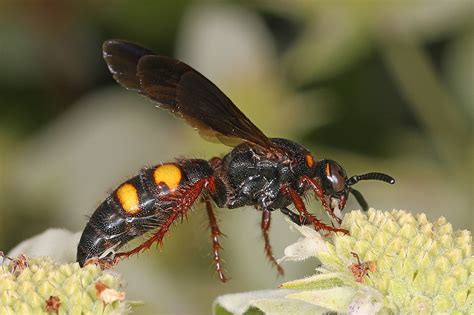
(183, 91)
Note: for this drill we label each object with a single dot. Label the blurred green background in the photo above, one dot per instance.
(375, 85)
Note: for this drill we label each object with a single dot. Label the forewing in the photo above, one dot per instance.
(182, 90)
(122, 59)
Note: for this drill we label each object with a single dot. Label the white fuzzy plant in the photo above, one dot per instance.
(390, 263)
(40, 284)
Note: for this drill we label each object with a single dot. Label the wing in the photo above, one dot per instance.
(177, 87)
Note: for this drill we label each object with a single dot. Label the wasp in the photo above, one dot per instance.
(266, 173)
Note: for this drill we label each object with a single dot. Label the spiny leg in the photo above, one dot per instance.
(185, 200)
(265, 225)
(157, 237)
(295, 218)
(320, 195)
(215, 233)
(299, 204)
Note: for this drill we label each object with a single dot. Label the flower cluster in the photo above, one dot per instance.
(40, 286)
(391, 262)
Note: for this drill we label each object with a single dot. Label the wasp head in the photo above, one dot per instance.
(336, 185)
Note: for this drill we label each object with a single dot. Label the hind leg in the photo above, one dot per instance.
(215, 233)
(184, 200)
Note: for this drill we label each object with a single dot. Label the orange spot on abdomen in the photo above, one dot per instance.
(127, 195)
(169, 175)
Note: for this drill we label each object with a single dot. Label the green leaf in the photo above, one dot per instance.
(320, 281)
(263, 302)
(335, 299)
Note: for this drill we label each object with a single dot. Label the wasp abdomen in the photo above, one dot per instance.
(141, 204)
(137, 206)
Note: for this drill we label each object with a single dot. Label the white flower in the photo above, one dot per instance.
(305, 247)
(58, 244)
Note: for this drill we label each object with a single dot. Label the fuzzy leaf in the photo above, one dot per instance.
(335, 299)
(263, 302)
(319, 281)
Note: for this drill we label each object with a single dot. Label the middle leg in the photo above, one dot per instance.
(265, 225)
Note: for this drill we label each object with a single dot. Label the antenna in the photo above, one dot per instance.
(360, 199)
(370, 176)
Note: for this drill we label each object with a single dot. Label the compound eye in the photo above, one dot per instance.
(335, 177)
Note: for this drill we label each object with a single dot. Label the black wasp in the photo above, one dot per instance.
(267, 173)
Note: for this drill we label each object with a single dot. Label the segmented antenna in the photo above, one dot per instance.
(370, 176)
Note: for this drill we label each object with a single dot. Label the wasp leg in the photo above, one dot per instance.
(266, 220)
(299, 204)
(184, 200)
(215, 233)
(320, 195)
(295, 218)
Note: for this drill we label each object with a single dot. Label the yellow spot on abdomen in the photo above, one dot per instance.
(168, 174)
(127, 195)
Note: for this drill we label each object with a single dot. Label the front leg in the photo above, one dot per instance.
(295, 218)
(318, 191)
(300, 206)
